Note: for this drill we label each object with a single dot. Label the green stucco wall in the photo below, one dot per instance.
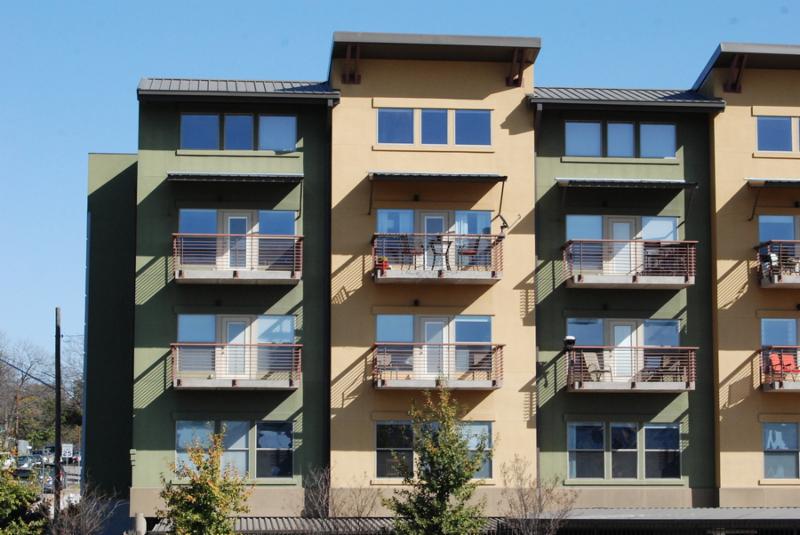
(555, 302)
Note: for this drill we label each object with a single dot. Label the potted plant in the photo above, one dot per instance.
(382, 264)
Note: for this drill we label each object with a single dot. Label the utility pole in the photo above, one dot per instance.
(57, 475)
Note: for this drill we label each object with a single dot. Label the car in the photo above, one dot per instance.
(28, 462)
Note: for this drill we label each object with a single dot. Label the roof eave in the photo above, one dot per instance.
(155, 95)
(712, 106)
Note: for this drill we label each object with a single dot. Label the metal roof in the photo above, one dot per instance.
(435, 47)
(193, 176)
(402, 176)
(572, 182)
(607, 97)
(185, 87)
(759, 56)
(773, 182)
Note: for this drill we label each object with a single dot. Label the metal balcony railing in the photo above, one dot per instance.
(454, 363)
(645, 364)
(236, 362)
(631, 258)
(779, 364)
(438, 252)
(254, 252)
(777, 259)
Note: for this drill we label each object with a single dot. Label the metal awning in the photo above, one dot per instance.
(408, 176)
(773, 182)
(284, 178)
(663, 183)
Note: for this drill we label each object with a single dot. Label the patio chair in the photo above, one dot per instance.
(594, 369)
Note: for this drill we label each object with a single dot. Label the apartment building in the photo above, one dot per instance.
(756, 159)
(211, 242)
(432, 247)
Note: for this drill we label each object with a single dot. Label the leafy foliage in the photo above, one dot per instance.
(438, 501)
(206, 496)
(17, 507)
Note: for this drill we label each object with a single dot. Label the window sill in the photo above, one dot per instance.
(639, 161)
(398, 482)
(625, 483)
(432, 148)
(238, 153)
(779, 482)
(788, 155)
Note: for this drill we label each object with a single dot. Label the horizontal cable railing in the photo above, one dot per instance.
(437, 252)
(631, 257)
(778, 258)
(779, 364)
(460, 361)
(196, 360)
(616, 364)
(254, 252)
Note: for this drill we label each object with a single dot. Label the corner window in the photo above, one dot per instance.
(396, 125)
(235, 440)
(657, 140)
(277, 133)
(781, 451)
(774, 133)
(199, 131)
(434, 127)
(776, 227)
(473, 127)
(586, 447)
(624, 451)
(394, 443)
(475, 433)
(621, 140)
(583, 138)
(238, 132)
(274, 449)
(662, 456)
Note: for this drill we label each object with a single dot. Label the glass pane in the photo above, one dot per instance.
(236, 460)
(780, 436)
(276, 222)
(275, 329)
(775, 227)
(621, 140)
(197, 221)
(662, 333)
(395, 328)
(473, 329)
(274, 435)
(434, 127)
(274, 463)
(662, 464)
(781, 465)
(583, 464)
(584, 227)
(394, 435)
(657, 140)
(778, 332)
(623, 436)
(660, 228)
(623, 464)
(197, 328)
(585, 437)
(774, 133)
(200, 131)
(485, 469)
(473, 222)
(388, 462)
(474, 432)
(238, 132)
(587, 332)
(235, 435)
(189, 433)
(583, 139)
(666, 437)
(396, 221)
(277, 132)
(473, 127)
(395, 126)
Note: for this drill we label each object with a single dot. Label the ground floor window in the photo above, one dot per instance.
(586, 446)
(274, 449)
(781, 450)
(662, 457)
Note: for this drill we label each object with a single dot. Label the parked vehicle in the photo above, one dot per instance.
(28, 462)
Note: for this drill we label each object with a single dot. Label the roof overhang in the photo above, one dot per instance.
(660, 183)
(759, 56)
(409, 176)
(568, 104)
(281, 178)
(773, 182)
(197, 90)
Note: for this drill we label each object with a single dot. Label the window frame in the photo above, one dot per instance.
(765, 452)
(455, 127)
(637, 431)
(224, 124)
(447, 114)
(606, 137)
(601, 123)
(645, 450)
(377, 448)
(220, 132)
(257, 127)
(413, 141)
(794, 124)
(291, 450)
(487, 451)
(220, 426)
(637, 137)
(640, 124)
(603, 426)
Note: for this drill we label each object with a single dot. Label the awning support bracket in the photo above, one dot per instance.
(371, 194)
(755, 204)
(514, 78)
(734, 82)
(351, 75)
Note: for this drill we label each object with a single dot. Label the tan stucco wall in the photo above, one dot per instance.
(264, 501)
(356, 299)
(741, 302)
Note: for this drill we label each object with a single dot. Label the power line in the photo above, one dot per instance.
(27, 373)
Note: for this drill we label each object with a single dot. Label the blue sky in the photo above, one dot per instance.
(70, 69)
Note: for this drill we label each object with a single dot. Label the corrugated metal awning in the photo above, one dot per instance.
(190, 176)
(663, 183)
(773, 182)
(409, 176)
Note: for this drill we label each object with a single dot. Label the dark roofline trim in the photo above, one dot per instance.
(151, 96)
(743, 48)
(633, 105)
(487, 41)
(410, 176)
(579, 182)
(285, 178)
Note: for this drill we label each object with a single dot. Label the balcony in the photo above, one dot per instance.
(666, 265)
(220, 366)
(438, 258)
(631, 369)
(779, 371)
(458, 366)
(237, 258)
(779, 264)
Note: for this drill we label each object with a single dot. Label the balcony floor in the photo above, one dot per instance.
(234, 384)
(786, 281)
(432, 384)
(666, 387)
(644, 282)
(420, 276)
(234, 276)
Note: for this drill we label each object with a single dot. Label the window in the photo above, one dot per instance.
(276, 222)
(395, 125)
(473, 127)
(188, 434)
(662, 456)
(473, 222)
(396, 221)
(583, 138)
(475, 433)
(587, 331)
(778, 332)
(274, 449)
(472, 329)
(199, 131)
(238, 132)
(394, 444)
(235, 442)
(781, 450)
(197, 328)
(774, 133)
(624, 451)
(277, 133)
(660, 228)
(586, 446)
(776, 227)
(621, 140)
(193, 221)
(657, 140)
(434, 127)
(395, 328)
(662, 333)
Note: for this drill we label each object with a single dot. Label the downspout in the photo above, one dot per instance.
(537, 121)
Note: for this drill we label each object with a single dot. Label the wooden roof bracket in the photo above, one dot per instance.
(351, 75)
(514, 78)
(755, 205)
(734, 82)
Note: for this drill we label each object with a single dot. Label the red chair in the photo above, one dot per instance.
(775, 367)
(789, 366)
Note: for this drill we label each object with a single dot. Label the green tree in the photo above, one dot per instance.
(438, 500)
(18, 514)
(206, 496)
